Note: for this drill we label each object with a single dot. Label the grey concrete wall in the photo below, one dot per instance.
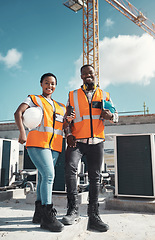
(132, 124)
(127, 124)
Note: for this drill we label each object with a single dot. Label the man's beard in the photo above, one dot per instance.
(90, 86)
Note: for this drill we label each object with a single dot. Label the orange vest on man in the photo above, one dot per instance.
(49, 134)
(87, 122)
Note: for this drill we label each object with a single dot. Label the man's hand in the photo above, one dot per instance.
(106, 114)
(71, 116)
(71, 141)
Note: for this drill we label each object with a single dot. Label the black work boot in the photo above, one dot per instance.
(72, 212)
(94, 221)
(37, 214)
(49, 220)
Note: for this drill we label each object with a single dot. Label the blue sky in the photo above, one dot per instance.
(41, 36)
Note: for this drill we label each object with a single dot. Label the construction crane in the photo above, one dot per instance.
(128, 10)
(91, 26)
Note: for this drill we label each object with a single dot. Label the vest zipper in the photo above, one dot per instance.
(54, 110)
(90, 112)
(91, 123)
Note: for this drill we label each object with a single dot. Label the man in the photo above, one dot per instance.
(85, 136)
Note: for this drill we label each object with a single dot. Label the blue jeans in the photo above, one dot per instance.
(44, 160)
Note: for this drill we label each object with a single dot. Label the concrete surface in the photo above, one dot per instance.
(16, 215)
(131, 204)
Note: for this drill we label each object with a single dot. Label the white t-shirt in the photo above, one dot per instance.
(29, 102)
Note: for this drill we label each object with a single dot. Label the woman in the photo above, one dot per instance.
(44, 143)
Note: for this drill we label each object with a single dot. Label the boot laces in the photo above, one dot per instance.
(53, 212)
(95, 214)
(71, 210)
(97, 218)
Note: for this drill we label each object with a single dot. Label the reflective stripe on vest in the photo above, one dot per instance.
(49, 133)
(58, 118)
(87, 121)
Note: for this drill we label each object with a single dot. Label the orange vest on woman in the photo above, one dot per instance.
(49, 134)
(87, 122)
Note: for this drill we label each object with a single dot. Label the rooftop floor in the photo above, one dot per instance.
(16, 222)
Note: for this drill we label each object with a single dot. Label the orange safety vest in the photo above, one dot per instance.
(49, 133)
(87, 122)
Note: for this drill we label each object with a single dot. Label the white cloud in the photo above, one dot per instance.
(127, 59)
(123, 59)
(12, 58)
(109, 22)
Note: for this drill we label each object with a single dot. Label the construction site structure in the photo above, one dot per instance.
(131, 12)
(91, 25)
(91, 35)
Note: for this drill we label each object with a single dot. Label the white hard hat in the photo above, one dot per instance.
(32, 117)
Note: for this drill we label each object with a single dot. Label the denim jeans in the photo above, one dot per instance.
(44, 160)
(94, 156)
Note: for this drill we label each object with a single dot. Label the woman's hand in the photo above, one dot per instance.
(22, 137)
(19, 121)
